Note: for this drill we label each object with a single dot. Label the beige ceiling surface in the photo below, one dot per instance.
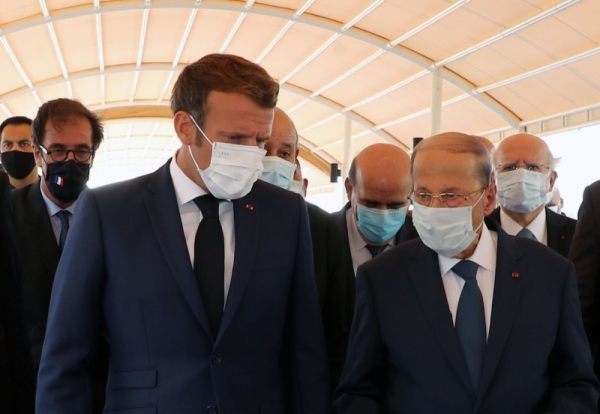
(352, 72)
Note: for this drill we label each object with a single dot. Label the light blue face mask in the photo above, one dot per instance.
(377, 225)
(297, 187)
(278, 171)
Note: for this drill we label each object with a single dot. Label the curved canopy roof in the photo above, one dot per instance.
(352, 72)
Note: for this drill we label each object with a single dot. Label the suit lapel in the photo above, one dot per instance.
(247, 214)
(161, 204)
(509, 278)
(427, 280)
(343, 232)
(557, 240)
(39, 230)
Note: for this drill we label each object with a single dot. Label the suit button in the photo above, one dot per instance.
(211, 409)
(216, 359)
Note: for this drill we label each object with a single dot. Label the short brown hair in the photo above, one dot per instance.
(223, 73)
(59, 111)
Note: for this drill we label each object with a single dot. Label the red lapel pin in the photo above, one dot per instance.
(250, 207)
(515, 275)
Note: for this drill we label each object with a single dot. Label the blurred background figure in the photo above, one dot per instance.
(16, 151)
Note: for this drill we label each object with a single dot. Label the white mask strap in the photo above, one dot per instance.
(200, 129)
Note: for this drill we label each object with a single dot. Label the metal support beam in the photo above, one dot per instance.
(436, 103)
(347, 152)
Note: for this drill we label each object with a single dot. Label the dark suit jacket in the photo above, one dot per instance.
(126, 263)
(336, 290)
(560, 230)
(16, 379)
(406, 232)
(38, 254)
(585, 253)
(404, 355)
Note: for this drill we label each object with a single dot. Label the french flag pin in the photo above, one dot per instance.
(59, 181)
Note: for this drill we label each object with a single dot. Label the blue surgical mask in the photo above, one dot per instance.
(278, 171)
(522, 191)
(554, 208)
(377, 225)
(297, 187)
(447, 231)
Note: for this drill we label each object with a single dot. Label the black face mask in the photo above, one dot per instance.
(66, 180)
(18, 164)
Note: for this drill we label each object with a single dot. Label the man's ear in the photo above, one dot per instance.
(37, 155)
(489, 199)
(348, 188)
(185, 128)
(553, 177)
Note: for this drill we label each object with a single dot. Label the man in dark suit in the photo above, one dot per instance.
(16, 379)
(336, 291)
(465, 319)
(202, 275)
(375, 218)
(17, 151)
(65, 137)
(585, 254)
(525, 174)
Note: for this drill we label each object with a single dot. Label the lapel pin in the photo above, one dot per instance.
(515, 275)
(562, 238)
(250, 207)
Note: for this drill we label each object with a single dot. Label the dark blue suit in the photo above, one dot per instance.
(404, 355)
(126, 265)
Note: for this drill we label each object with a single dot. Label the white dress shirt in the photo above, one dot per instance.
(52, 210)
(537, 226)
(186, 191)
(358, 246)
(485, 256)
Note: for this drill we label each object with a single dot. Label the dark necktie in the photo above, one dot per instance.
(63, 216)
(375, 250)
(470, 320)
(209, 260)
(525, 232)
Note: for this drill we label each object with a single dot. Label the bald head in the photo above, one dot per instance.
(283, 142)
(524, 169)
(379, 177)
(486, 143)
(522, 148)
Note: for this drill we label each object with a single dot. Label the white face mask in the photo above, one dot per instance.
(233, 168)
(522, 191)
(447, 231)
(297, 187)
(278, 171)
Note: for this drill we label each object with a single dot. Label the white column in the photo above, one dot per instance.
(436, 103)
(347, 153)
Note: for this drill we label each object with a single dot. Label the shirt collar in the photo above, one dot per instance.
(537, 226)
(484, 254)
(185, 189)
(53, 208)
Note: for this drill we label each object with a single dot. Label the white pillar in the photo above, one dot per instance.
(347, 151)
(436, 103)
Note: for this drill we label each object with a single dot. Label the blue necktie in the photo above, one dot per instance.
(375, 250)
(209, 260)
(525, 232)
(470, 320)
(63, 216)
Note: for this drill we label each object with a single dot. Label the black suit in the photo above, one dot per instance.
(560, 230)
(38, 254)
(16, 379)
(406, 232)
(336, 291)
(585, 253)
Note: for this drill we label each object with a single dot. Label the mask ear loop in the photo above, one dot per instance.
(200, 129)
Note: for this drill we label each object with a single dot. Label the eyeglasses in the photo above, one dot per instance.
(61, 154)
(449, 199)
(502, 168)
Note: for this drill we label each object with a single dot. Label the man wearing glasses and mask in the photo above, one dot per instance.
(466, 319)
(65, 137)
(525, 175)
